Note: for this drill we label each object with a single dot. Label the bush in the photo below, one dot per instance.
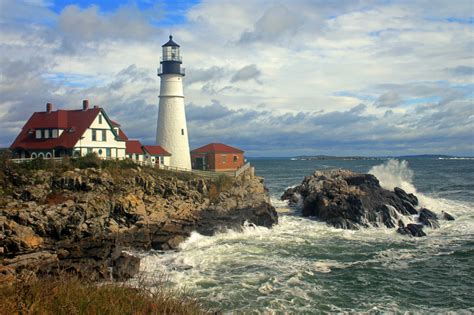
(90, 160)
(71, 295)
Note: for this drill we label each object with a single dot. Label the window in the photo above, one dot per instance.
(46, 133)
(100, 119)
(224, 158)
(48, 155)
(104, 135)
(94, 135)
(235, 158)
(40, 155)
(33, 155)
(54, 133)
(89, 150)
(38, 135)
(100, 151)
(182, 132)
(162, 160)
(108, 152)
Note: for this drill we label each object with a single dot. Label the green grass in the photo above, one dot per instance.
(71, 295)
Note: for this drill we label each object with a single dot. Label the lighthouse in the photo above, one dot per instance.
(172, 132)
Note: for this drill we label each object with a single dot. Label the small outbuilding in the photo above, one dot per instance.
(217, 157)
(155, 154)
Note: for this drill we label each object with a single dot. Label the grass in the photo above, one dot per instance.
(70, 295)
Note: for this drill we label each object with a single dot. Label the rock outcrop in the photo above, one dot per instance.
(81, 220)
(349, 200)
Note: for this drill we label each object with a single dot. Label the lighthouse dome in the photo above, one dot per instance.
(170, 43)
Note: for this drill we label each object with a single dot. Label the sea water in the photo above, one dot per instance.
(304, 266)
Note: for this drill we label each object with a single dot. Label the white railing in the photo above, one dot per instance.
(21, 160)
(244, 167)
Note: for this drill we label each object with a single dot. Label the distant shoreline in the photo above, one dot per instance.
(367, 158)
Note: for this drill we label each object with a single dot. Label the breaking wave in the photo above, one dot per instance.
(303, 266)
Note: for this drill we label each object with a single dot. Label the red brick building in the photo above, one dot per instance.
(217, 157)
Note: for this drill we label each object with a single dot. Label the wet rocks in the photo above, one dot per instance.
(447, 216)
(411, 229)
(349, 200)
(428, 218)
(83, 220)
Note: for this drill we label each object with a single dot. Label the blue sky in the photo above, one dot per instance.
(276, 78)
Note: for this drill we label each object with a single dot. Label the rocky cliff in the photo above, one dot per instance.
(81, 220)
(349, 200)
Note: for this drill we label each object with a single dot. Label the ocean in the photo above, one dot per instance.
(304, 266)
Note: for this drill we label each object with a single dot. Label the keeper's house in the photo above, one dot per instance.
(74, 133)
(217, 157)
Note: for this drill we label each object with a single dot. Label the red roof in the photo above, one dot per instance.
(122, 135)
(217, 148)
(114, 123)
(156, 150)
(133, 147)
(74, 123)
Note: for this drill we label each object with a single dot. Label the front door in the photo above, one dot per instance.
(200, 165)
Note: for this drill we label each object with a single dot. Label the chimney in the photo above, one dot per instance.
(96, 106)
(85, 104)
(49, 107)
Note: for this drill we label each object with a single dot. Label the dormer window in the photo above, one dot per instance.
(46, 133)
(38, 134)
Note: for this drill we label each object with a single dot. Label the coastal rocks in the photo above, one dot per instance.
(411, 229)
(82, 220)
(349, 200)
(447, 216)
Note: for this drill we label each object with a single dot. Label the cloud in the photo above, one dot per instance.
(462, 71)
(249, 72)
(389, 99)
(404, 68)
(275, 23)
(204, 75)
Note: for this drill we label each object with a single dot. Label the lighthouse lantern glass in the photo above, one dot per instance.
(171, 53)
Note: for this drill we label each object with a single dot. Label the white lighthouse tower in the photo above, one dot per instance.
(172, 132)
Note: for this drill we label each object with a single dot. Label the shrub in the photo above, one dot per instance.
(71, 295)
(90, 160)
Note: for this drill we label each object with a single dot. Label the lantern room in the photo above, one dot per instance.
(171, 59)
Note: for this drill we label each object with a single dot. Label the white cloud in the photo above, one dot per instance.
(286, 76)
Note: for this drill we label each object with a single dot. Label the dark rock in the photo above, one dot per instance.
(428, 218)
(125, 267)
(411, 229)
(408, 197)
(447, 216)
(349, 200)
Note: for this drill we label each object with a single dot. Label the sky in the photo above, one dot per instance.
(274, 78)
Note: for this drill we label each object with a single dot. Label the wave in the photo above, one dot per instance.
(456, 158)
(302, 265)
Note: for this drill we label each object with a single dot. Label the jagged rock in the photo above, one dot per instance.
(125, 267)
(84, 218)
(349, 200)
(447, 216)
(411, 229)
(428, 218)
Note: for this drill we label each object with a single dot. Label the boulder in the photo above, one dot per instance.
(411, 229)
(428, 218)
(349, 200)
(125, 267)
(447, 216)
